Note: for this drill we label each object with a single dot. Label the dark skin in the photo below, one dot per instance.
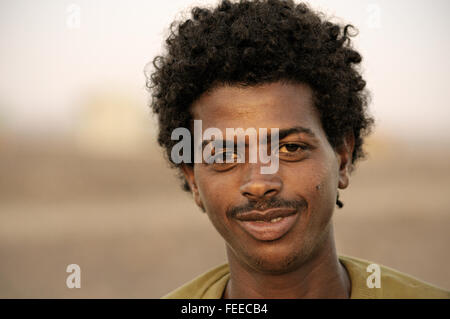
(302, 263)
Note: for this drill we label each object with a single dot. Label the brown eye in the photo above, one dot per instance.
(224, 161)
(225, 157)
(293, 152)
(291, 148)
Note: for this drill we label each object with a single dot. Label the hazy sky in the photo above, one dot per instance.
(49, 61)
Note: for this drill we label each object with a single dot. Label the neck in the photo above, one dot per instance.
(320, 276)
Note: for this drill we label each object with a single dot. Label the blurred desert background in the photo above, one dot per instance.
(82, 180)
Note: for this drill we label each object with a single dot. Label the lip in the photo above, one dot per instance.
(258, 225)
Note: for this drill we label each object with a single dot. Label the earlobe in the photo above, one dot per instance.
(343, 181)
(188, 173)
(345, 154)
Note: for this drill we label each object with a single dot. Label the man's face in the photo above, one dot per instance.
(303, 191)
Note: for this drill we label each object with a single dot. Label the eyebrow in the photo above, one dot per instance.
(282, 133)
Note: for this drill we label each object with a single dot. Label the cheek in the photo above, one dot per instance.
(214, 193)
(323, 190)
(317, 182)
(209, 189)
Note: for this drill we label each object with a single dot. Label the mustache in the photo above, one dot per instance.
(273, 202)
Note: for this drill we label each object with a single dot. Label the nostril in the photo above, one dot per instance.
(260, 188)
(270, 192)
(249, 195)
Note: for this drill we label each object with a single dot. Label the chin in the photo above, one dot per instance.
(276, 261)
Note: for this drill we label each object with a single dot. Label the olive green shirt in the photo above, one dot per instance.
(393, 284)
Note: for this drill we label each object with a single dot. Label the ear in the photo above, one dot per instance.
(345, 154)
(188, 172)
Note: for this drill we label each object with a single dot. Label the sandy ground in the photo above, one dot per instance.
(135, 234)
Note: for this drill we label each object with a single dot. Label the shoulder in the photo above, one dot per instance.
(393, 283)
(209, 285)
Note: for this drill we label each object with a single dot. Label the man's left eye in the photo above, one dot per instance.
(291, 148)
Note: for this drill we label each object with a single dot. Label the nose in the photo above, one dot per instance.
(260, 186)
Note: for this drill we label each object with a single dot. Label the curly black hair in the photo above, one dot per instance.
(253, 42)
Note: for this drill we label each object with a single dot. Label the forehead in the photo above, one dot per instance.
(274, 105)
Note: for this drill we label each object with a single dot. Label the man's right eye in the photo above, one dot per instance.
(223, 158)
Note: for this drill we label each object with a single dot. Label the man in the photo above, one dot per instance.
(279, 66)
